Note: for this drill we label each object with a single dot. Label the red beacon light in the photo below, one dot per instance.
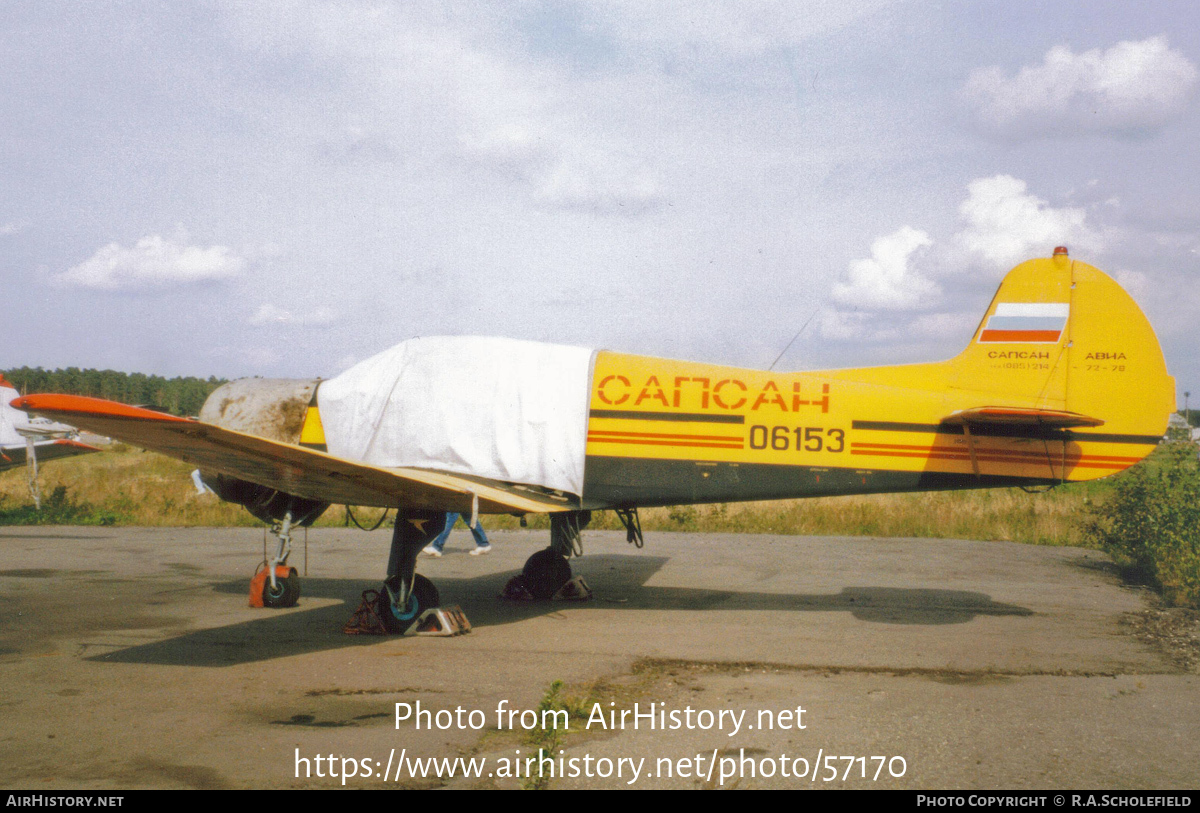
(1060, 251)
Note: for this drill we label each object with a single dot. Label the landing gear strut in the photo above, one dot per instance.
(405, 595)
(277, 585)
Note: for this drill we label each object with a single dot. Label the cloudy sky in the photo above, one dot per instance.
(282, 189)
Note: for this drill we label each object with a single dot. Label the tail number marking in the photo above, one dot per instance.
(799, 438)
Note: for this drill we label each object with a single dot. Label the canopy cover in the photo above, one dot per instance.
(499, 408)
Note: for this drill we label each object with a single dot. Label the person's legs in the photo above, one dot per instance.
(440, 542)
(481, 540)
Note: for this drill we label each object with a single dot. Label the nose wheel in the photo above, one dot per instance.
(277, 585)
(285, 592)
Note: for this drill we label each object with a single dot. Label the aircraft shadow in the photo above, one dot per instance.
(617, 580)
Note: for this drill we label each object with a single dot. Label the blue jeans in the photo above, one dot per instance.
(481, 539)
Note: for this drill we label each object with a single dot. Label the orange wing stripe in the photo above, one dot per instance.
(82, 405)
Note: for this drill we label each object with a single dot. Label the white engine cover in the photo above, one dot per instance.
(498, 408)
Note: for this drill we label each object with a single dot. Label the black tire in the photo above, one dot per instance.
(545, 572)
(286, 592)
(424, 595)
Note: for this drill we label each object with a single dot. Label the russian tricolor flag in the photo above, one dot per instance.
(1028, 322)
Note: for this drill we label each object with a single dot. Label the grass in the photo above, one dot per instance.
(126, 486)
(56, 509)
(1146, 518)
(577, 702)
(1052, 518)
(548, 738)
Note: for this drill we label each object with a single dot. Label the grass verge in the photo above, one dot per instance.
(1148, 518)
(130, 487)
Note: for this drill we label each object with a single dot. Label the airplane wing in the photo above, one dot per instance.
(292, 469)
(13, 456)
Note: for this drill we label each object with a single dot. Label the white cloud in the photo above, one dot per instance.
(884, 281)
(154, 262)
(887, 299)
(1005, 225)
(270, 315)
(13, 227)
(1133, 86)
(455, 84)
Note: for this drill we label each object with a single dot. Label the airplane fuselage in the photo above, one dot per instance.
(667, 432)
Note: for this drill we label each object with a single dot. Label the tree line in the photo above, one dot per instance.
(179, 396)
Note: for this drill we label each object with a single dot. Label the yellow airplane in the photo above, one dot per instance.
(1063, 381)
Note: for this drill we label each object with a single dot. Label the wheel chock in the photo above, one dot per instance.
(574, 590)
(438, 621)
(516, 590)
(365, 620)
(441, 622)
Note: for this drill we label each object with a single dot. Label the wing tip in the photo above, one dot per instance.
(83, 405)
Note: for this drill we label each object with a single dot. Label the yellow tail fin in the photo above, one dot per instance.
(1063, 340)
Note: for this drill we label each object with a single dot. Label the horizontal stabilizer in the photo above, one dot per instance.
(1021, 416)
(292, 469)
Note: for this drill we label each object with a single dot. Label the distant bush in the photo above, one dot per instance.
(1150, 523)
(684, 517)
(57, 509)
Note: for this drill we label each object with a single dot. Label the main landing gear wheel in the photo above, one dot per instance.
(424, 595)
(545, 572)
(285, 593)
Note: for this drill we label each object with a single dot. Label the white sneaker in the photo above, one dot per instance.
(430, 550)
(480, 550)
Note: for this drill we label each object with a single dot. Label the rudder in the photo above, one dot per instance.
(1063, 339)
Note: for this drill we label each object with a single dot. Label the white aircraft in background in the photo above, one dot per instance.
(25, 439)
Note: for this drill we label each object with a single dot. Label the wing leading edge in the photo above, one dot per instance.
(296, 470)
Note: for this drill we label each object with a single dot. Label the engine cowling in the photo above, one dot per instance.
(272, 408)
